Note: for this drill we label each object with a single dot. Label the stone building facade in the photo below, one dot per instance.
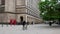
(14, 9)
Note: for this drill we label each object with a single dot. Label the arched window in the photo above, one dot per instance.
(21, 17)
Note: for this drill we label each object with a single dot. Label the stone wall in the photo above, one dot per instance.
(10, 5)
(20, 2)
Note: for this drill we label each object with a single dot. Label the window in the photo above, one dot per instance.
(2, 7)
(2, 2)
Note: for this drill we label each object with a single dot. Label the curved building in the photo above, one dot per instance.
(15, 9)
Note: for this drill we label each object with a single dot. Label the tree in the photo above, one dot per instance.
(49, 9)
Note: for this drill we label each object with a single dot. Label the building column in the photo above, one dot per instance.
(0, 2)
(10, 5)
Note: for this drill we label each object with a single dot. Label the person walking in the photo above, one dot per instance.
(27, 23)
(23, 23)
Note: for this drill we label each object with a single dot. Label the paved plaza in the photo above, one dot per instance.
(32, 29)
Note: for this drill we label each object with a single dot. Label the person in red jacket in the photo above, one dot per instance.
(12, 21)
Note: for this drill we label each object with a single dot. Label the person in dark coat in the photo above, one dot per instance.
(27, 23)
(23, 23)
(50, 23)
